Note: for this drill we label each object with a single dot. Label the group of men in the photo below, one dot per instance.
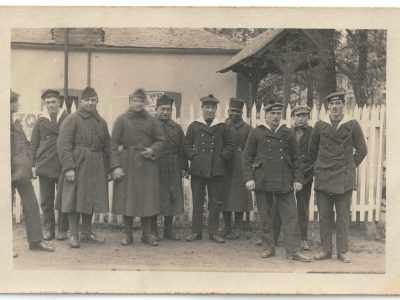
(147, 157)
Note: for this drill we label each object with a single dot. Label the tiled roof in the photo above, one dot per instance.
(178, 38)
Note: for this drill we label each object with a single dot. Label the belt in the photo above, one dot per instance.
(87, 148)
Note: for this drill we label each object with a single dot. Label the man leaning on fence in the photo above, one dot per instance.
(272, 167)
(21, 176)
(337, 146)
(84, 150)
(208, 145)
(46, 163)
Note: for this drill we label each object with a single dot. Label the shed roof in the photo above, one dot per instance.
(162, 38)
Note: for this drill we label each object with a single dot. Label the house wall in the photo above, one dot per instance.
(115, 75)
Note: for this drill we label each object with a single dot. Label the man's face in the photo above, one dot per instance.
(164, 112)
(89, 104)
(52, 104)
(301, 119)
(272, 118)
(335, 108)
(14, 106)
(209, 110)
(235, 114)
(136, 104)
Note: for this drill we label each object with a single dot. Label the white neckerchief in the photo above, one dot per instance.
(46, 114)
(214, 122)
(14, 117)
(263, 123)
(346, 118)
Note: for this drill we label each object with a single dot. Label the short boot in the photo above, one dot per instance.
(73, 219)
(147, 236)
(87, 235)
(128, 237)
(227, 223)
(154, 228)
(169, 233)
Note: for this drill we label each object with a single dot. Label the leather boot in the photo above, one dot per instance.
(73, 219)
(154, 228)
(128, 238)
(169, 233)
(147, 236)
(87, 235)
(227, 223)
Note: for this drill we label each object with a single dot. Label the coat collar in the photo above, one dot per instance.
(263, 123)
(84, 114)
(169, 123)
(214, 122)
(46, 115)
(237, 125)
(346, 118)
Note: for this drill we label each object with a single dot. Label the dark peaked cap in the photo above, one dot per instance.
(139, 94)
(209, 99)
(301, 109)
(13, 96)
(164, 100)
(335, 96)
(273, 105)
(50, 93)
(88, 93)
(236, 103)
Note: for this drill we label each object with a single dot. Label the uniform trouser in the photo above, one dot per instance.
(238, 219)
(325, 203)
(288, 213)
(30, 210)
(303, 202)
(47, 195)
(73, 218)
(214, 187)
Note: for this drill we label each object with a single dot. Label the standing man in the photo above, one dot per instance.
(272, 167)
(237, 197)
(84, 150)
(46, 164)
(173, 166)
(135, 168)
(337, 146)
(208, 145)
(302, 132)
(21, 175)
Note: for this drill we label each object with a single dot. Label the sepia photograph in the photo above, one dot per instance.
(224, 150)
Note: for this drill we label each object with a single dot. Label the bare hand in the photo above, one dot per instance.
(117, 173)
(148, 153)
(297, 186)
(251, 185)
(70, 175)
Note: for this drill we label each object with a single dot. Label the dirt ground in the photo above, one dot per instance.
(368, 256)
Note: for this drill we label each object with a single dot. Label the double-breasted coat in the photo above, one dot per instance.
(208, 147)
(172, 161)
(84, 145)
(44, 145)
(237, 197)
(272, 159)
(21, 171)
(337, 154)
(308, 163)
(137, 193)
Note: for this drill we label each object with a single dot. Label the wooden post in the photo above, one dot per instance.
(287, 82)
(66, 67)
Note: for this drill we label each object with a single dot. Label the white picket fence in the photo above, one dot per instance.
(366, 201)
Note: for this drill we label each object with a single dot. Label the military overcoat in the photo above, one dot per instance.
(337, 154)
(21, 162)
(272, 159)
(237, 197)
(208, 147)
(84, 145)
(138, 192)
(172, 161)
(44, 145)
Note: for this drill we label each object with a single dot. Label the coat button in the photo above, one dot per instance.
(281, 141)
(281, 157)
(303, 155)
(269, 149)
(47, 136)
(204, 150)
(268, 141)
(281, 149)
(203, 143)
(211, 150)
(344, 167)
(212, 143)
(202, 134)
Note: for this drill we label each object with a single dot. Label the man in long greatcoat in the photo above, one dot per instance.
(272, 168)
(84, 149)
(21, 176)
(208, 145)
(302, 132)
(173, 166)
(46, 162)
(237, 197)
(337, 146)
(135, 168)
